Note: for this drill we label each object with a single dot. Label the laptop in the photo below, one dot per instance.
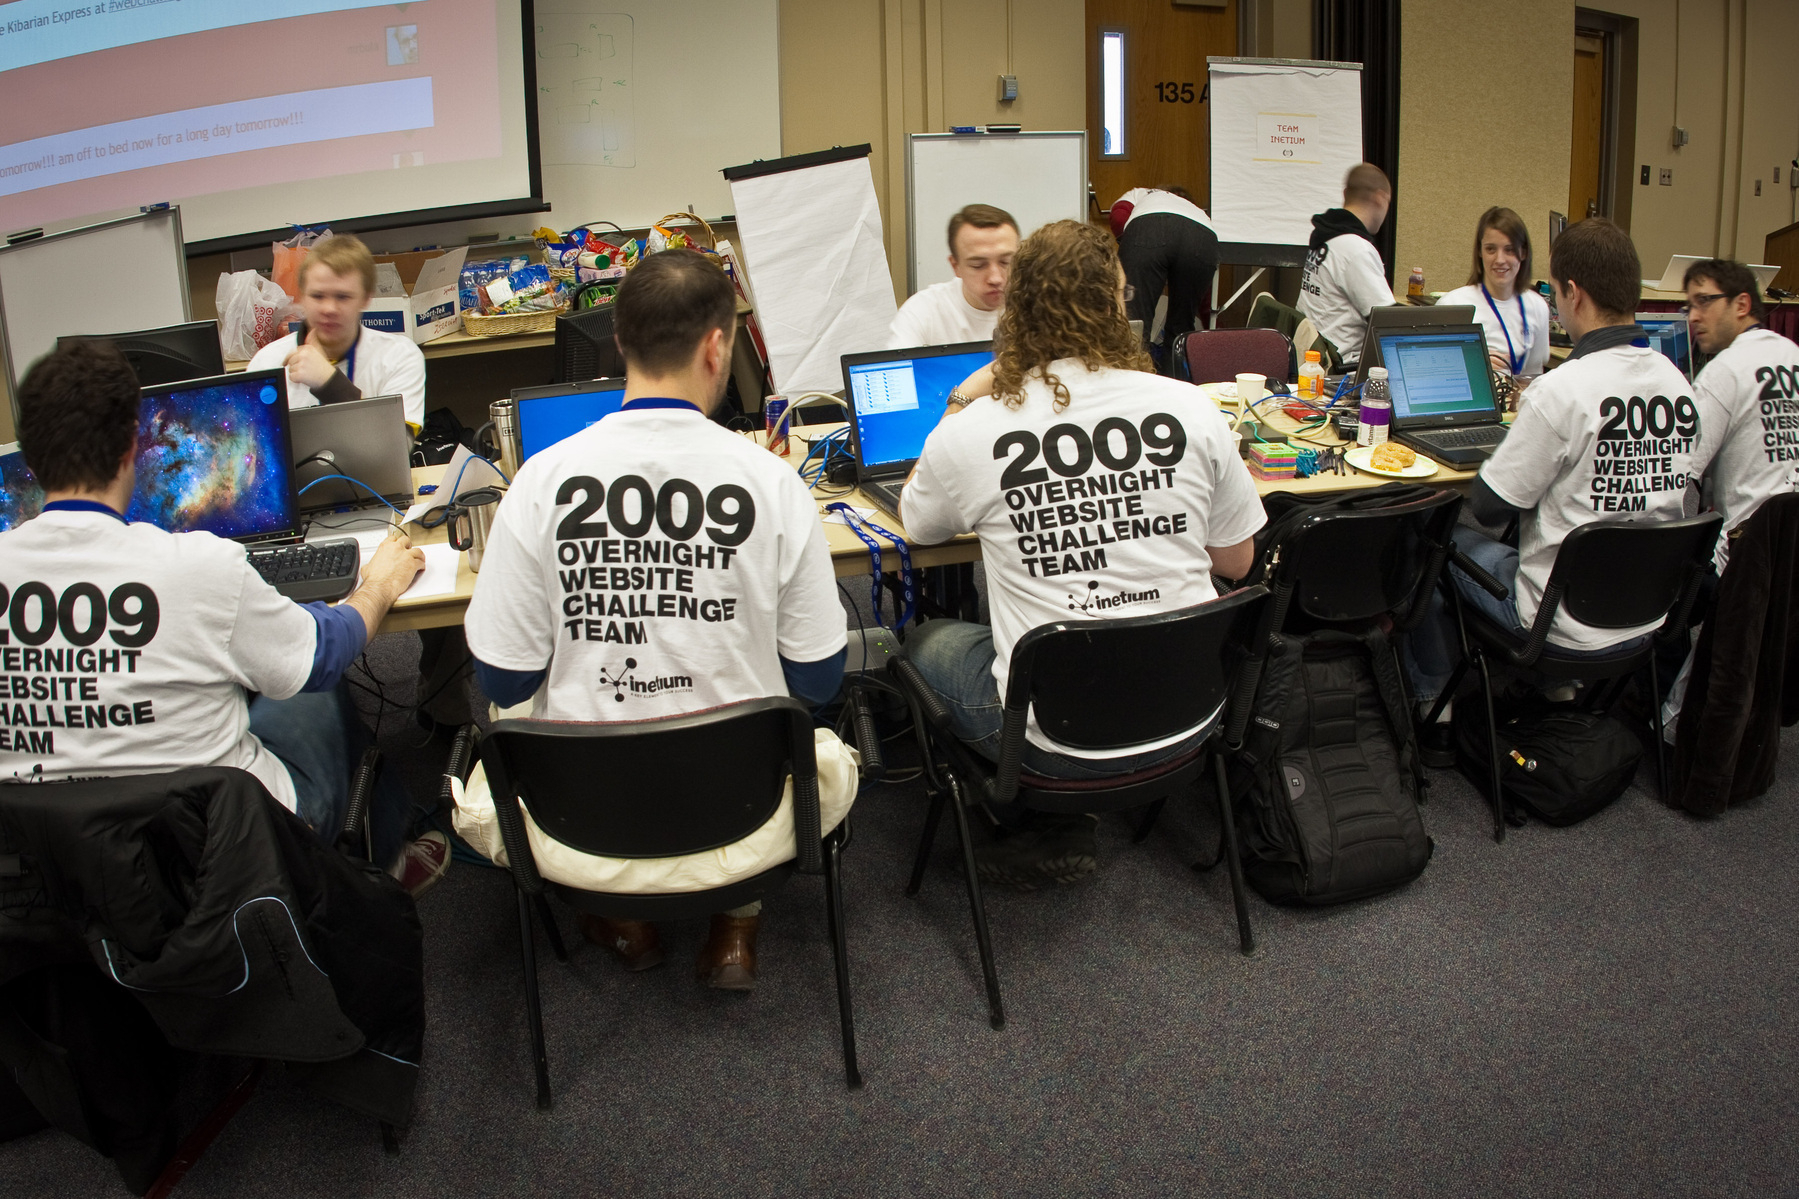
(1442, 389)
(1668, 335)
(1404, 316)
(547, 415)
(1675, 277)
(367, 440)
(20, 496)
(896, 398)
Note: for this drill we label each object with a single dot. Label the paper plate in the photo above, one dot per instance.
(1423, 468)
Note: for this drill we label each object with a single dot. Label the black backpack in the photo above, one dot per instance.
(1557, 762)
(1327, 781)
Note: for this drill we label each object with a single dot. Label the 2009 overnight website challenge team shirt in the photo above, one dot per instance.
(1749, 406)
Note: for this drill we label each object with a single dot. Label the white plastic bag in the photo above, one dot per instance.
(252, 313)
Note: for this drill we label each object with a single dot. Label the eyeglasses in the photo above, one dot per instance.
(1130, 293)
(1702, 300)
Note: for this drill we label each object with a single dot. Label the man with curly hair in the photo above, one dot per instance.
(1132, 498)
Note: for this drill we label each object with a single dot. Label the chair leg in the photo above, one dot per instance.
(1486, 691)
(533, 1009)
(925, 842)
(1448, 692)
(852, 1073)
(1661, 745)
(1227, 821)
(996, 1012)
(1149, 821)
(549, 927)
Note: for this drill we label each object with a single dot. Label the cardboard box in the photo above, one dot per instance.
(430, 308)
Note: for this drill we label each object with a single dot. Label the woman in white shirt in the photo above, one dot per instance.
(1515, 317)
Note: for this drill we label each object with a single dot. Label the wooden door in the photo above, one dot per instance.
(1584, 163)
(1166, 113)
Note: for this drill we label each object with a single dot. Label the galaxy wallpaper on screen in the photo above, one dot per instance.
(215, 458)
(20, 496)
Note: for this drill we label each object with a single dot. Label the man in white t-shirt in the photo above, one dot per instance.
(1613, 434)
(982, 240)
(1165, 240)
(333, 357)
(132, 648)
(657, 564)
(1137, 529)
(1344, 276)
(1748, 393)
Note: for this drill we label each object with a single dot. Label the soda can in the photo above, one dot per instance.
(776, 418)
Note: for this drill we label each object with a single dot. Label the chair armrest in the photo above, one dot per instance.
(462, 754)
(806, 826)
(1433, 573)
(511, 819)
(1539, 629)
(919, 693)
(1473, 570)
(868, 738)
(356, 837)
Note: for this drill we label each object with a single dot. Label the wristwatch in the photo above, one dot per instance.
(957, 399)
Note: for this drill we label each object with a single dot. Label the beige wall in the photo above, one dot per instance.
(875, 70)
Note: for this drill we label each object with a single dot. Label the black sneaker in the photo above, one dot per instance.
(1052, 849)
(1436, 744)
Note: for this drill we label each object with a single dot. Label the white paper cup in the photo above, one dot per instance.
(1251, 388)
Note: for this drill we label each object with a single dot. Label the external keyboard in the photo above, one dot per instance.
(1467, 439)
(313, 570)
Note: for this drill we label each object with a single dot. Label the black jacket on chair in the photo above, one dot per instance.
(1744, 685)
(235, 928)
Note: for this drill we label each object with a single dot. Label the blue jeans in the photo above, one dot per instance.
(956, 659)
(320, 738)
(1433, 648)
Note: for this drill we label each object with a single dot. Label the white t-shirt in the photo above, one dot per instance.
(1340, 283)
(657, 564)
(1145, 200)
(940, 315)
(1609, 436)
(386, 364)
(1068, 531)
(147, 670)
(1749, 409)
(1528, 327)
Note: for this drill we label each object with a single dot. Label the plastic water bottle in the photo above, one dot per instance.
(1311, 377)
(1377, 408)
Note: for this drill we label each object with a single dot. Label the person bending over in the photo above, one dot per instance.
(982, 241)
(1164, 240)
(190, 628)
(333, 357)
(1343, 276)
(1514, 316)
(1552, 472)
(744, 604)
(1067, 360)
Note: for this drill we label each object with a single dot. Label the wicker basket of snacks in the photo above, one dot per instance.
(483, 324)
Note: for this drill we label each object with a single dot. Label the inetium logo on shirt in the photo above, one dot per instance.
(1104, 491)
(1634, 454)
(84, 680)
(653, 558)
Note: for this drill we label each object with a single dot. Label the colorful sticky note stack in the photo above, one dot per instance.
(1272, 459)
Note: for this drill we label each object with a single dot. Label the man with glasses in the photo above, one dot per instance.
(1748, 393)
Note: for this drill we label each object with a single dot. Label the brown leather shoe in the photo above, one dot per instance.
(635, 942)
(728, 960)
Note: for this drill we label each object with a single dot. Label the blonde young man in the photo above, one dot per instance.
(1344, 276)
(982, 241)
(333, 358)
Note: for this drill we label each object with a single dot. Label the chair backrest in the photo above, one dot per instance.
(1618, 575)
(1111, 684)
(1358, 563)
(654, 788)
(1266, 312)
(1220, 355)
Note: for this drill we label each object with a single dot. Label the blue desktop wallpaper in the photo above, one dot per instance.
(545, 420)
(215, 458)
(20, 496)
(896, 433)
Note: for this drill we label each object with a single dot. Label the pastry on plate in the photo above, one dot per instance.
(1390, 455)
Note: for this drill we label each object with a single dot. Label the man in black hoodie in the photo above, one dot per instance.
(1344, 276)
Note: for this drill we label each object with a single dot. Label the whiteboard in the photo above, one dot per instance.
(1037, 177)
(632, 111)
(114, 277)
(1284, 133)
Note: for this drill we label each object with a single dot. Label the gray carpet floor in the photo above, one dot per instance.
(1606, 1009)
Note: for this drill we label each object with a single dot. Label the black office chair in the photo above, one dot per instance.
(662, 789)
(1094, 685)
(1610, 575)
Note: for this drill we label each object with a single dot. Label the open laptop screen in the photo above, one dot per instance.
(215, 455)
(1668, 337)
(20, 496)
(1439, 376)
(546, 415)
(898, 396)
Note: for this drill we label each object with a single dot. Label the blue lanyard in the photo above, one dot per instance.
(651, 402)
(861, 527)
(82, 506)
(1511, 355)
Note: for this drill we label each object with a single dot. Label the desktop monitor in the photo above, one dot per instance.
(898, 396)
(216, 455)
(1668, 336)
(585, 348)
(546, 415)
(172, 354)
(20, 496)
(1439, 377)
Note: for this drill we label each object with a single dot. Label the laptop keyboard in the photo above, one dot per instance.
(313, 570)
(1483, 437)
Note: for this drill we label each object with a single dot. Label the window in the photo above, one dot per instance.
(1111, 93)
